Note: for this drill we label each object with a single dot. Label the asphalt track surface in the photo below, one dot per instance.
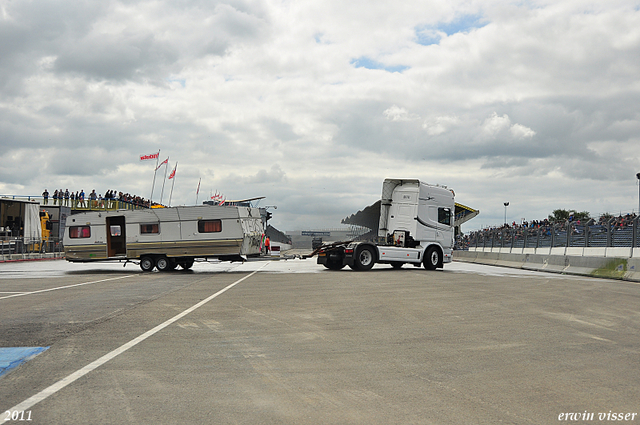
(288, 342)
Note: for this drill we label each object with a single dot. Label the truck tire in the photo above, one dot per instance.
(334, 265)
(186, 264)
(163, 264)
(365, 258)
(147, 264)
(432, 258)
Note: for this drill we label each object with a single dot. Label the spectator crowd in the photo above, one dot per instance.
(93, 200)
(546, 226)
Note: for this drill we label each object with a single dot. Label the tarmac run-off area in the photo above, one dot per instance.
(289, 342)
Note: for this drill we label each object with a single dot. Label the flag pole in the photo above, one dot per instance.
(154, 179)
(164, 180)
(173, 183)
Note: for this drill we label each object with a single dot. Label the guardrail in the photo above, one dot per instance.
(80, 205)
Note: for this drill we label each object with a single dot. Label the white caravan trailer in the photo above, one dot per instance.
(416, 227)
(165, 237)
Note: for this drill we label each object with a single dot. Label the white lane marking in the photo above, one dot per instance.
(31, 401)
(63, 287)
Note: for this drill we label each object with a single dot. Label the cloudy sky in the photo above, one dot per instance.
(313, 103)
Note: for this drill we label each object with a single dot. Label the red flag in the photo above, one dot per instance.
(151, 156)
(166, 161)
(173, 173)
(198, 190)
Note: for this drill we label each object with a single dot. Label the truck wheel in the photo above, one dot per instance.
(365, 258)
(163, 264)
(397, 265)
(187, 264)
(334, 265)
(432, 259)
(146, 264)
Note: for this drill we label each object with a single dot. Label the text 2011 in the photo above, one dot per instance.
(17, 415)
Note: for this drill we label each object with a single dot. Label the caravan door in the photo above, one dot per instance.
(116, 238)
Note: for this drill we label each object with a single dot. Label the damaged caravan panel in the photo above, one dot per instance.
(165, 238)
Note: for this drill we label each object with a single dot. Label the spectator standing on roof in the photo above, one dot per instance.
(45, 195)
(66, 197)
(73, 200)
(55, 196)
(81, 198)
(93, 197)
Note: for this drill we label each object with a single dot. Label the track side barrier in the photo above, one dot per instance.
(31, 256)
(604, 265)
(549, 263)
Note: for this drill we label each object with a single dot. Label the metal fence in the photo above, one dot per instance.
(567, 234)
(16, 245)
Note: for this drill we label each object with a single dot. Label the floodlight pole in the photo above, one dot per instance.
(506, 204)
(638, 176)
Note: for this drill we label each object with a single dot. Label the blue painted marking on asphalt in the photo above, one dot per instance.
(14, 356)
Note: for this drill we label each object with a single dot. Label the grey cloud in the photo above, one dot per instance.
(72, 34)
(30, 32)
(282, 131)
(274, 175)
(123, 57)
(542, 136)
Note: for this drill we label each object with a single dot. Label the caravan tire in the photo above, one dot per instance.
(146, 264)
(163, 264)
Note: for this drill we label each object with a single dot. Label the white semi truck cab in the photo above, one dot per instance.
(416, 226)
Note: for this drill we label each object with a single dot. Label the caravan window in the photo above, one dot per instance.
(79, 232)
(444, 216)
(146, 229)
(209, 226)
(115, 230)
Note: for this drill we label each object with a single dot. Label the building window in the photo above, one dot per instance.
(209, 226)
(444, 216)
(147, 229)
(79, 232)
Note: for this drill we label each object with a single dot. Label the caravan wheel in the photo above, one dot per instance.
(146, 264)
(163, 264)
